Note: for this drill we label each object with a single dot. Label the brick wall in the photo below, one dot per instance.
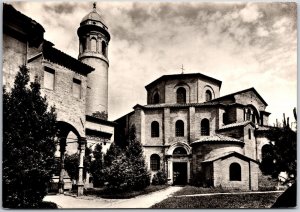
(250, 98)
(68, 108)
(221, 174)
(250, 144)
(150, 116)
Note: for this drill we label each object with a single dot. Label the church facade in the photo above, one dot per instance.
(193, 134)
(78, 88)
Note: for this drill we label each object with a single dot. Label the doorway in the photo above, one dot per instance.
(179, 173)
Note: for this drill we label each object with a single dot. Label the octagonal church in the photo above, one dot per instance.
(192, 133)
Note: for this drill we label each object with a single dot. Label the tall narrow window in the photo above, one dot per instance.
(154, 129)
(249, 134)
(93, 45)
(156, 98)
(253, 118)
(104, 48)
(76, 88)
(49, 76)
(248, 115)
(181, 95)
(205, 127)
(154, 162)
(235, 172)
(208, 95)
(179, 128)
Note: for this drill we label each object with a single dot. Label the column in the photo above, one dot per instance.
(62, 150)
(191, 124)
(170, 171)
(80, 184)
(167, 130)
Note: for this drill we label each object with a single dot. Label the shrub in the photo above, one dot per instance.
(160, 178)
(128, 170)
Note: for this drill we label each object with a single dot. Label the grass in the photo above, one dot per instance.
(187, 190)
(96, 192)
(220, 201)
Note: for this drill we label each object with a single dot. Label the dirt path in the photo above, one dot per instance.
(143, 201)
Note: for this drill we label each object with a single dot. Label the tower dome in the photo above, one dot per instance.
(92, 16)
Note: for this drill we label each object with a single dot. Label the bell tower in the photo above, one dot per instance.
(93, 49)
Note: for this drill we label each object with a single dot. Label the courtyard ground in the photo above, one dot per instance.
(143, 201)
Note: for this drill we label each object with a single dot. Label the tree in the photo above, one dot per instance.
(285, 160)
(72, 163)
(127, 171)
(284, 150)
(96, 168)
(29, 131)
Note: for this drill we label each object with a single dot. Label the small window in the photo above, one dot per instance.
(154, 129)
(104, 48)
(249, 134)
(235, 172)
(76, 88)
(208, 95)
(181, 95)
(205, 127)
(93, 45)
(49, 76)
(225, 118)
(156, 98)
(179, 128)
(155, 162)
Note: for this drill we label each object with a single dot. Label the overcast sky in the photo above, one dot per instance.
(243, 45)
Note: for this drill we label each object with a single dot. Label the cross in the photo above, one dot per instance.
(94, 5)
(182, 69)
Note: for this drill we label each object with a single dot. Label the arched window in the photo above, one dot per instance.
(154, 129)
(154, 162)
(179, 128)
(181, 95)
(93, 45)
(205, 127)
(156, 98)
(208, 95)
(104, 48)
(249, 134)
(179, 151)
(235, 172)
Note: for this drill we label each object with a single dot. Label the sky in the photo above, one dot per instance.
(242, 44)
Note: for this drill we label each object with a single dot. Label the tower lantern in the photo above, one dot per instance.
(93, 50)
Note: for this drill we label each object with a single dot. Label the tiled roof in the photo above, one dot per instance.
(239, 92)
(238, 124)
(56, 56)
(163, 105)
(265, 128)
(228, 154)
(216, 138)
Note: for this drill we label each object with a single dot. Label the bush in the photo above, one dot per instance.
(160, 178)
(128, 170)
(29, 129)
